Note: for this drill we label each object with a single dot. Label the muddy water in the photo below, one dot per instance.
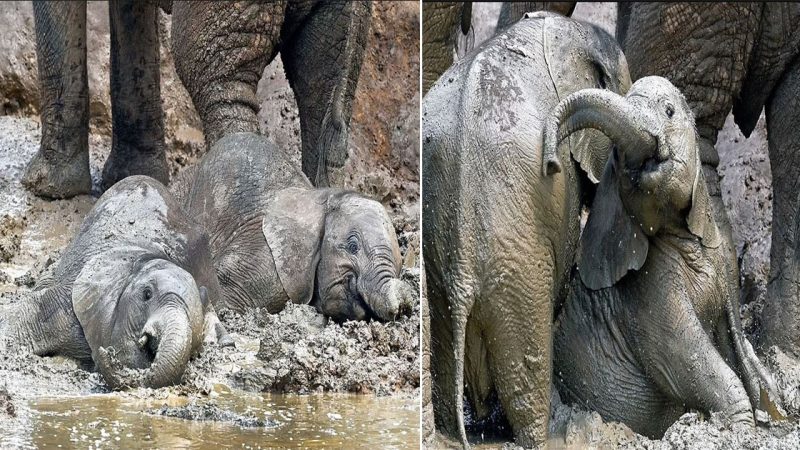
(311, 421)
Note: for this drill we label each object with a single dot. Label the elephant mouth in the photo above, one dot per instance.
(148, 345)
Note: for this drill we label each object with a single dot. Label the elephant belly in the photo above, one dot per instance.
(594, 366)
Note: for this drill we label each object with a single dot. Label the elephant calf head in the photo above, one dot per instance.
(149, 310)
(337, 250)
(652, 182)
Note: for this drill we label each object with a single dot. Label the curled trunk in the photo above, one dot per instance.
(174, 349)
(602, 110)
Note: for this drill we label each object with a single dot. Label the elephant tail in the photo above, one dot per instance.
(459, 325)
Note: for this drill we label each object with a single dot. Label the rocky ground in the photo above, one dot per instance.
(295, 351)
(746, 184)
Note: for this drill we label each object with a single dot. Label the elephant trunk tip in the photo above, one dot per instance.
(552, 166)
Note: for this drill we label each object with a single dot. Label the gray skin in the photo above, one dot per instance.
(136, 278)
(499, 237)
(220, 54)
(60, 168)
(443, 23)
(744, 57)
(651, 326)
(275, 238)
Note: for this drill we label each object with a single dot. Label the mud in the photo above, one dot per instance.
(211, 412)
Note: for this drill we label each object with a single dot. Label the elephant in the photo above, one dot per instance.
(220, 53)
(651, 325)
(135, 288)
(274, 238)
(498, 236)
(741, 57)
(442, 22)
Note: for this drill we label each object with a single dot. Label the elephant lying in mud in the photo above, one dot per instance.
(137, 278)
(275, 238)
(499, 237)
(651, 327)
(220, 52)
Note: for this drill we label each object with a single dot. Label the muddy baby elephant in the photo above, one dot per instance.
(499, 236)
(274, 238)
(137, 278)
(651, 327)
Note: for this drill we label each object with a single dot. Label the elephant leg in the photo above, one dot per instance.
(323, 60)
(441, 24)
(511, 12)
(781, 316)
(220, 54)
(60, 168)
(519, 341)
(690, 369)
(137, 141)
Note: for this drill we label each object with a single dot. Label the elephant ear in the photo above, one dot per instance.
(571, 69)
(97, 289)
(611, 242)
(293, 225)
(701, 216)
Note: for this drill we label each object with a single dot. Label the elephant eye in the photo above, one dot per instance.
(352, 247)
(147, 293)
(670, 110)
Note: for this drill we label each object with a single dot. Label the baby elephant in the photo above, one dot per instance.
(136, 278)
(275, 238)
(651, 328)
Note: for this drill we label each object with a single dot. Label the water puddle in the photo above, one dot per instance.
(307, 421)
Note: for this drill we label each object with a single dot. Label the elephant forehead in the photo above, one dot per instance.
(97, 290)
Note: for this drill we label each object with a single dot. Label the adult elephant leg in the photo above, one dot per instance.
(220, 54)
(511, 12)
(517, 330)
(60, 168)
(441, 24)
(781, 316)
(137, 142)
(323, 60)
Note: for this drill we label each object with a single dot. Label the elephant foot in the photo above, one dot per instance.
(125, 161)
(533, 435)
(58, 179)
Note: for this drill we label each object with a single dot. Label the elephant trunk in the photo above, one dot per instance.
(174, 335)
(391, 297)
(602, 110)
(170, 336)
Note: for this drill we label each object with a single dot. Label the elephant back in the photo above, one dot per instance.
(232, 182)
(139, 212)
